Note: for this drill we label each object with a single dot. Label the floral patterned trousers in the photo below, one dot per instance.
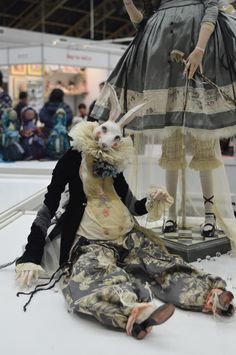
(107, 279)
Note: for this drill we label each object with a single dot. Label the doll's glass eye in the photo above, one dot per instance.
(104, 129)
(117, 138)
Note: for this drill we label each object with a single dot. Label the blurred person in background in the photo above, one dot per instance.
(23, 102)
(46, 114)
(82, 114)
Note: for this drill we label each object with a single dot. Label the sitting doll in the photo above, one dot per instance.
(112, 267)
(58, 141)
(11, 148)
(31, 135)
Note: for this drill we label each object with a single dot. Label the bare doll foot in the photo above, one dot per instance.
(145, 316)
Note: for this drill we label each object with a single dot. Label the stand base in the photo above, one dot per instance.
(191, 245)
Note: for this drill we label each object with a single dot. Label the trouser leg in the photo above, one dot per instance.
(172, 280)
(98, 287)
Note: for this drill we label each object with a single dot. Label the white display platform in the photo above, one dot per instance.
(47, 328)
(16, 188)
(34, 167)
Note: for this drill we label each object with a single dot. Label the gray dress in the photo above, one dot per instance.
(145, 72)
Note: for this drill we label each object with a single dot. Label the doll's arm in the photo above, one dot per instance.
(135, 15)
(36, 240)
(208, 22)
(194, 60)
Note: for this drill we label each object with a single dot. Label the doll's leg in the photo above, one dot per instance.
(205, 161)
(171, 186)
(98, 287)
(172, 159)
(208, 228)
(173, 280)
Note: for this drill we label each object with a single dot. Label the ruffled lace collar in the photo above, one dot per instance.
(83, 141)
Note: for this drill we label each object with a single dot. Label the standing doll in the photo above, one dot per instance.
(31, 136)
(11, 148)
(182, 107)
(58, 140)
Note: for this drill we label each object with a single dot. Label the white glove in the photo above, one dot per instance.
(27, 274)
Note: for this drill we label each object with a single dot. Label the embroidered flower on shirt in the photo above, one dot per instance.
(106, 212)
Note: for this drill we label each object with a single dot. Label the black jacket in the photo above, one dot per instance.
(67, 172)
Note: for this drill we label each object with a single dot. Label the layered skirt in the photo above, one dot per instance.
(146, 73)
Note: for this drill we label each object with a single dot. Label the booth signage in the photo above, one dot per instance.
(78, 58)
(3, 57)
(30, 55)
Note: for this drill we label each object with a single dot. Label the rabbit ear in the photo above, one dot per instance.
(115, 105)
(129, 116)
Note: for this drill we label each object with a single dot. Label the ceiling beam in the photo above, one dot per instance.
(79, 11)
(2, 14)
(57, 24)
(126, 30)
(102, 11)
(50, 8)
(32, 19)
(24, 13)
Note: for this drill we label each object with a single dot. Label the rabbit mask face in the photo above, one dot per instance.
(108, 135)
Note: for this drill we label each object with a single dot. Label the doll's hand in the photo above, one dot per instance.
(27, 274)
(161, 195)
(158, 201)
(193, 62)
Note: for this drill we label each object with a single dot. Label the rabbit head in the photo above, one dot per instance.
(109, 134)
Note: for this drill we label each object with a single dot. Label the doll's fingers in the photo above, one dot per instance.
(155, 195)
(23, 278)
(201, 68)
(131, 320)
(36, 275)
(169, 200)
(30, 278)
(18, 276)
(159, 195)
(187, 67)
(192, 71)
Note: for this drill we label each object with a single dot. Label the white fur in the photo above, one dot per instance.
(108, 139)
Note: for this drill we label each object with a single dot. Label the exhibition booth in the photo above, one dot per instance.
(38, 63)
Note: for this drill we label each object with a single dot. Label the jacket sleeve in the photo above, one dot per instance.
(136, 207)
(211, 11)
(36, 240)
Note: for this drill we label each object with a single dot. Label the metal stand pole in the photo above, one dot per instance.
(92, 19)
